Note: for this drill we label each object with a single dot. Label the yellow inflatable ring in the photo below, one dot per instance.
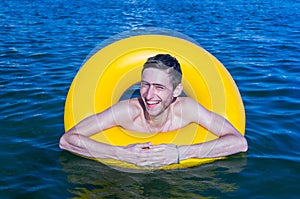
(112, 70)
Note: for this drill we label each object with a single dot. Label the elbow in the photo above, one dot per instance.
(243, 144)
(238, 144)
(63, 142)
(68, 141)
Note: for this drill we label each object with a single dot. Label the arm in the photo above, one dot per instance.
(230, 141)
(77, 139)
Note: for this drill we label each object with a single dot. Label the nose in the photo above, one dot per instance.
(150, 92)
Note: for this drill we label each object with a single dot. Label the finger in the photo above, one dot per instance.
(152, 162)
(157, 150)
(146, 145)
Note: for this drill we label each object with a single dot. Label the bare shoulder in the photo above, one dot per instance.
(126, 110)
(190, 109)
(188, 103)
(135, 108)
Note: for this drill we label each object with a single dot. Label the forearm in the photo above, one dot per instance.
(223, 146)
(87, 147)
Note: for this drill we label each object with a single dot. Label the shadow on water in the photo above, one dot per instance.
(90, 179)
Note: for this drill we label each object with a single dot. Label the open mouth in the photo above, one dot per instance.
(152, 103)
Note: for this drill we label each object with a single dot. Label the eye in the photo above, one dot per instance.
(159, 87)
(144, 84)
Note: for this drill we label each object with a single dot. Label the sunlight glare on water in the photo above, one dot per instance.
(44, 43)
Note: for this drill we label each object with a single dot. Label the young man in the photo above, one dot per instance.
(160, 109)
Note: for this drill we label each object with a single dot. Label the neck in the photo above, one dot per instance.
(158, 123)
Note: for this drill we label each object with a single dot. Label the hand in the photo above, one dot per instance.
(134, 153)
(148, 155)
(163, 154)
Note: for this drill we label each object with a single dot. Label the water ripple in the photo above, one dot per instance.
(43, 44)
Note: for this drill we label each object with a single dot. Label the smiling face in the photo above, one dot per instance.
(157, 91)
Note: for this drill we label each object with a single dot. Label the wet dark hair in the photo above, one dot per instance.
(166, 62)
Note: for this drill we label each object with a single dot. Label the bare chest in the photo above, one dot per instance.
(141, 124)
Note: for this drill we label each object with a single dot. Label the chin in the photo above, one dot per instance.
(154, 113)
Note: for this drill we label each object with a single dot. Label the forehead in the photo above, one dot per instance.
(156, 76)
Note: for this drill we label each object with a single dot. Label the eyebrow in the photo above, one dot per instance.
(155, 84)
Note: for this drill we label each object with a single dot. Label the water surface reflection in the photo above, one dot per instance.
(89, 179)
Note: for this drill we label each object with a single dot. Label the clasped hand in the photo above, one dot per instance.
(148, 155)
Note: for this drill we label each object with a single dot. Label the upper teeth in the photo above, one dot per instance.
(151, 102)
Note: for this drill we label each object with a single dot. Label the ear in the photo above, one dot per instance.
(177, 91)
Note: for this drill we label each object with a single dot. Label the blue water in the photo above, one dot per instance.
(43, 44)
